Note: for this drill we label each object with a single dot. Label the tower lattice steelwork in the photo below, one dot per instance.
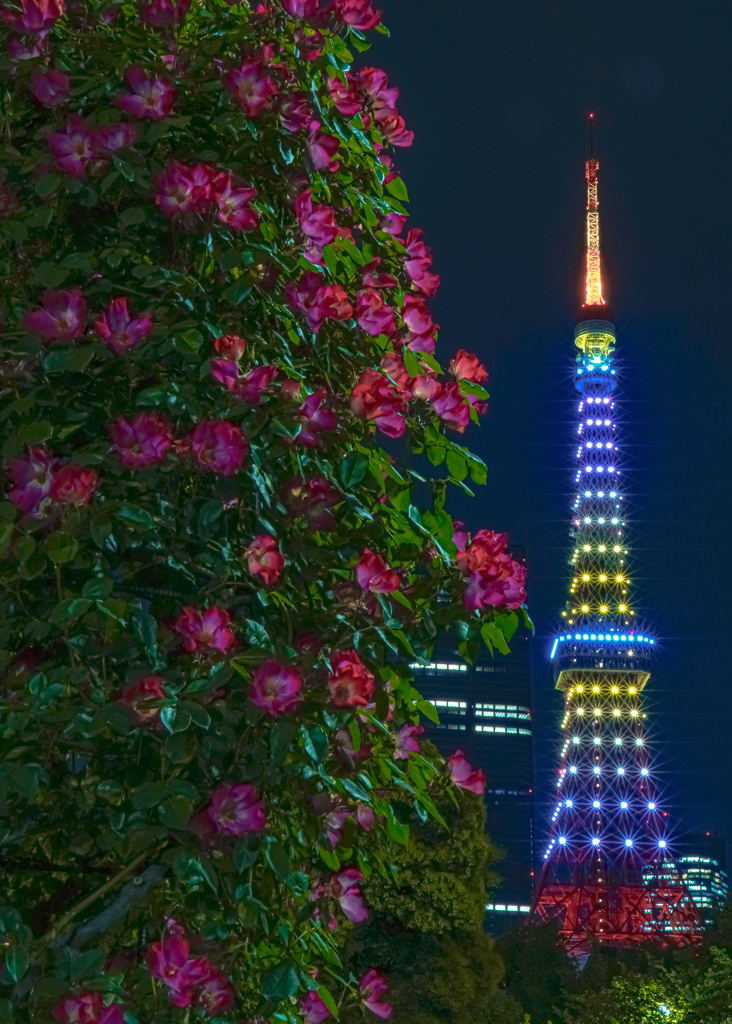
(609, 875)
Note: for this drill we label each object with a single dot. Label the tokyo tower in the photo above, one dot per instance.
(609, 875)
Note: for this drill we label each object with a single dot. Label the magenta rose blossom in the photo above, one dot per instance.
(189, 979)
(313, 1009)
(375, 574)
(220, 446)
(406, 744)
(309, 43)
(312, 499)
(234, 208)
(295, 113)
(87, 1008)
(465, 366)
(73, 146)
(254, 384)
(451, 406)
(373, 987)
(251, 87)
(35, 17)
(314, 419)
(109, 138)
(373, 314)
(351, 685)
(357, 14)
(61, 318)
(344, 888)
(32, 478)
(150, 98)
(301, 8)
(185, 188)
(263, 559)
(119, 329)
(230, 346)
(141, 441)
(275, 688)
(348, 98)
(74, 485)
(375, 398)
(317, 222)
(138, 692)
(162, 13)
(318, 301)
(322, 149)
(50, 88)
(236, 808)
(204, 629)
(464, 775)
(418, 263)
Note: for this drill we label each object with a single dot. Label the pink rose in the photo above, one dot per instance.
(74, 485)
(301, 8)
(35, 17)
(372, 277)
(233, 203)
(50, 88)
(109, 138)
(313, 1009)
(162, 13)
(348, 98)
(373, 314)
(450, 405)
(416, 315)
(295, 112)
(204, 629)
(32, 478)
(73, 146)
(322, 149)
(119, 329)
(187, 978)
(219, 446)
(466, 367)
(394, 368)
(485, 554)
(344, 888)
(151, 98)
(318, 301)
(264, 559)
(314, 419)
(256, 383)
(230, 346)
(141, 441)
(312, 499)
(87, 1008)
(251, 87)
(381, 99)
(375, 398)
(393, 223)
(406, 744)
(375, 574)
(317, 223)
(275, 688)
(309, 43)
(351, 685)
(185, 188)
(61, 318)
(358, 14)
(464, 775)
(372, 988)
(139, 692)
(395, 131)
(236, 808)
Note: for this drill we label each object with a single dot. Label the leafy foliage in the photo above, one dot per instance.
(180, 606)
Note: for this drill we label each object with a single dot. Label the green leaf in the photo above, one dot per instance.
(75, 359)
(46, 185)
(355, 790)
(34, 433)
(279, 860)
(136, 515)
(6, 535)
(328, 1000)
(329, 857)
(298, 882)
(353, 468)
(61, 547)
(17, 962)
(428, 710)
(494, 637)
(148, 795)
(97, 589)
(132, 215)
(255, 634)
(175, 812)
(150, 397)
(146, 631)
(237, 292)
(244, 856)
(398, 189)
(280, 982)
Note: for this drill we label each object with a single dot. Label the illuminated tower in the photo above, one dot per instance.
(609, 874)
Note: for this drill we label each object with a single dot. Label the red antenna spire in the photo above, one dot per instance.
(593, 286)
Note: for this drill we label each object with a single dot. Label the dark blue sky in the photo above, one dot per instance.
(497, 95)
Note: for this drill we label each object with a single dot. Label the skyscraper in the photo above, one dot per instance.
(702, 860)
(609, 872)
(485, 711)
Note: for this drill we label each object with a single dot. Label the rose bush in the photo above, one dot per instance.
(213, 575)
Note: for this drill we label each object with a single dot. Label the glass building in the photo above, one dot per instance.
(702, 860)
(485, 711)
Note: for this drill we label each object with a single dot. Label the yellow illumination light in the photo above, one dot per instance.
(631, 689)
(622, 607)
(614, 689)
(595, 689)
(634, 713)
(603, 608)
(585, 577)
(587, 547)
(585, 608)
(580, 689)
(601, 547)
(619, 579)
(603, 578)
(580, 711)
(616, 712)
(598, 711)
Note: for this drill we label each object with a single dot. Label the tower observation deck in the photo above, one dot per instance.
(609, 874)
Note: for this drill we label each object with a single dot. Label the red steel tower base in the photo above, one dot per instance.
(620, 917)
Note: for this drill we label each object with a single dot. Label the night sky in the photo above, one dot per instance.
(498, 95)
